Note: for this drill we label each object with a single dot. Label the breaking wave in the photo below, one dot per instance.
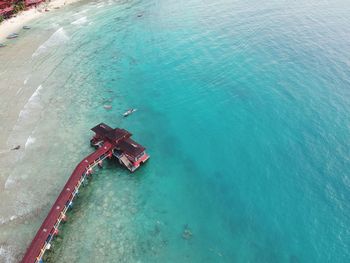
(29, 141)
(32, 104)
(27, 118)
(80, 21)
(58, 38)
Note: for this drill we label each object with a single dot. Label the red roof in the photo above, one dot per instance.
(131, 147)
(113, 135)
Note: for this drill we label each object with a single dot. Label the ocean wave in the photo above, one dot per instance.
(29, 141)
(27, 117)
(10, 181)
(32, 103)
(100, 5)
(22, 132)
(81, 21)
(58, 38)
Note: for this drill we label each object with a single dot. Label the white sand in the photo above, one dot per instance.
(13, 24)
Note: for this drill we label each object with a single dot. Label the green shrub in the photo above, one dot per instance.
(1, 18)
(19, 6)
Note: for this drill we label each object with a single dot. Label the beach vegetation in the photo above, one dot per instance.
(18, 6)
(1, 18)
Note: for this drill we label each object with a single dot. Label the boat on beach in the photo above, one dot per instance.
(26, 27)
(13, 35)
(128, 112)
(2, 45)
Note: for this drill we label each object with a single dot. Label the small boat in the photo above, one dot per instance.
(13, 35)
(16, 148)
(2, 45)
(128, 112)
(26, 27)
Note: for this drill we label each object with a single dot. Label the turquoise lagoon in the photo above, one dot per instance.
(244, 109)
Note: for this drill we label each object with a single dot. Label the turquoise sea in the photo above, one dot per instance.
(244, 107)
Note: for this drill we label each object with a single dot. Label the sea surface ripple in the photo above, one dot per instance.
(242, 105)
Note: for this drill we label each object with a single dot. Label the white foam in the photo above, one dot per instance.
(28, 116)
(58, 38)
(29, 141)
(35, 96)
(10, 181)
(32, 103)
(22, 132)
(24, 83)
(19, 90)
(26, 80)
(81, 21)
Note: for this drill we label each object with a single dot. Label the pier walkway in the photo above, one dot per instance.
(57, 214)
(108, 143)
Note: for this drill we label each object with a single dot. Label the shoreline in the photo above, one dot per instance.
(14, 24)
(22, 105)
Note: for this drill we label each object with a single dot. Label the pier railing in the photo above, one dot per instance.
(49, 228)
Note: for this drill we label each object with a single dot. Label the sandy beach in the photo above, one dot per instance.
(24, 98)
(15, 23)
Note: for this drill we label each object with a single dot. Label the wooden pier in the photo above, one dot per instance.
(109, 142)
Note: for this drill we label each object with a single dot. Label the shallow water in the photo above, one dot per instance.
(242, 106)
